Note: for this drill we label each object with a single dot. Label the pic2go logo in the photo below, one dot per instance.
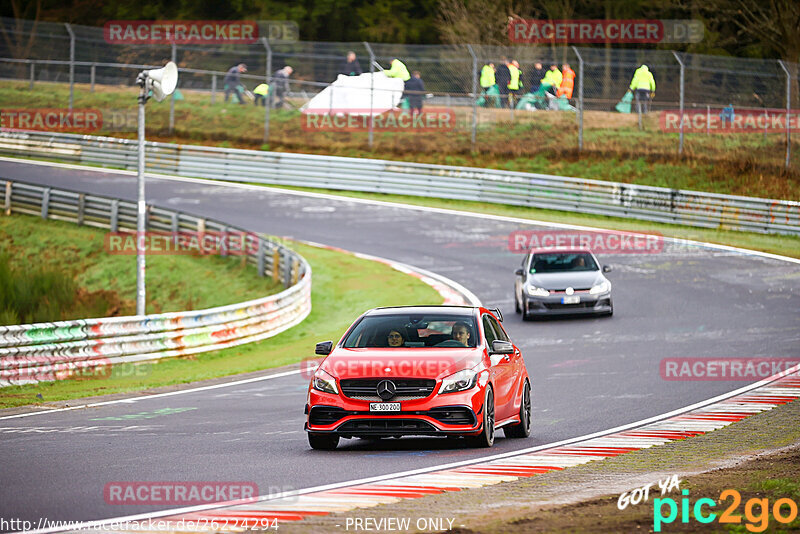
(784, 510)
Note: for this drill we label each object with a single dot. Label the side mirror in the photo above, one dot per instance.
(502, 347)
(519, 272)
(606, 268)
(324, 348)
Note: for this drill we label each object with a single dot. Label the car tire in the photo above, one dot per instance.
(486, 438)
(323, 442)
(525, 315)
(523, 428)
(517, 307)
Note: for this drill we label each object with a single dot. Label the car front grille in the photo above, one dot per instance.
(559, 306)
(386, 425)
(407, 388)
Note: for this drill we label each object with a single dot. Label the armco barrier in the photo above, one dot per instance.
(50, 351)
(439, 181)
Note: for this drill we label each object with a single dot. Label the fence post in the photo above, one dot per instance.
(371, 82)
(680, 62)
(33, 68)
(213, 87)
(113, 219)
(474, 95)
(260, 257)
(8, 198)
(580, 99)
(276, 264)
(270, 83)
(45, 202)
(71, 64)
(788, 111)
(91, 77)
(174, 57)
(81, 208)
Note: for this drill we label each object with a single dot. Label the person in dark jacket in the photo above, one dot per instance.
(281, 84)
(535, 78)
(502, 76)
(351, 66)
(232, 82)
(415, 89)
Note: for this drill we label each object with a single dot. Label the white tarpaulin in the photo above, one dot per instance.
(351, 95)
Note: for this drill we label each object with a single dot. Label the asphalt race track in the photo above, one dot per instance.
(588, 374)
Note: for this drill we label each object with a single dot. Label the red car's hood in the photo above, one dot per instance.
(400, 363)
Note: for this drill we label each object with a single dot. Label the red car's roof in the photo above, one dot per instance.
(450, 310)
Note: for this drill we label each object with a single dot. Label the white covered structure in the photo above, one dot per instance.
(350, 95)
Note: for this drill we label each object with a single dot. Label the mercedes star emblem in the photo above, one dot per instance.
(386, 389)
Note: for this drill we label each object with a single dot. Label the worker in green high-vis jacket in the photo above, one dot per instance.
(261, 91)
(487, 77)
(643, 86)
(398, 70)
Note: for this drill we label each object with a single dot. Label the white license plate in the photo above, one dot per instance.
(384, 406)
(572, 299)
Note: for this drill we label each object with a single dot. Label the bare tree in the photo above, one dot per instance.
(474, 21)
(18, 42)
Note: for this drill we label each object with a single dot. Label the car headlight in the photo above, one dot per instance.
(460, 381)
(538, 292)
(323, 381)
(602, 287)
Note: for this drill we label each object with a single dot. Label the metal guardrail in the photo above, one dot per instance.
(648, 203)
(51, 351)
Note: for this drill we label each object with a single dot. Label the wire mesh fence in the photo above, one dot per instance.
(599, 114)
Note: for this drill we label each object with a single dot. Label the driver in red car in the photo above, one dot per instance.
(460, 333)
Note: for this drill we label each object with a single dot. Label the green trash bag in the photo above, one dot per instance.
(563, 104)
(491, 99)
(535, 100)
(624, 105)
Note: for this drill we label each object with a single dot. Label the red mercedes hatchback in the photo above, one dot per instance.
(420, 370)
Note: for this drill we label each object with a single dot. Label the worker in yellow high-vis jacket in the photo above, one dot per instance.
(643, 86)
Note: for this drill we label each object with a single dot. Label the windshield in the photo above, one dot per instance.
(413, 331)
(563, 262)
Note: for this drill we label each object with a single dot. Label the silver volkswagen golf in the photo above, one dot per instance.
(563, 281)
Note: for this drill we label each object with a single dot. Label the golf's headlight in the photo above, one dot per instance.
(324, 382)
(537, 291)
(602, 287)
(460, 381)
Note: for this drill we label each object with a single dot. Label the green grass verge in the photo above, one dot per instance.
(343, 287)
(776, 244)
(545, 142)
(174, 283)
